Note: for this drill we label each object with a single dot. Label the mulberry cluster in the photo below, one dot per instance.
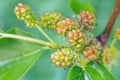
(87, 20)
(23, 13)
(77, 40)
(50, 19)
(83, 46)
(66, 25)
(62, 58)
(91, 52)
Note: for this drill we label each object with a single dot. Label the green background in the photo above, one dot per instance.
(43, 68)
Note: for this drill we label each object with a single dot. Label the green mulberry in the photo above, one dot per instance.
(62, 58)
(50, 19)
(23, 13)
(66, 25)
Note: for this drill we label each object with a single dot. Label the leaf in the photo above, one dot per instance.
(78, 6)
(12, 48)
(75, 73)
(17, 57)
(90, 63)
(15, 69)
(105, 72)
(1, 31)
(93, 73)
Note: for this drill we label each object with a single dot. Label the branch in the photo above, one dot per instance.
(29, 39)
(104, 36)
(4, 35)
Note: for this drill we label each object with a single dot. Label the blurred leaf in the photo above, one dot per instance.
(17, 57)
(90, 63)
(93, 73)
(104, 71)
(78, 6)
(13, 70)
(75, 73)
(1, 31)
(12, 48)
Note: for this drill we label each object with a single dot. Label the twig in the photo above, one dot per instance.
(5, 35)
(40, 29)
(104, 36)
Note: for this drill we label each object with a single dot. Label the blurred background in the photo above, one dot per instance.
(43, 68)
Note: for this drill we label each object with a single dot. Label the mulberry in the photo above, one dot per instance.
(66, 25)
(77, 40)
(87, 20)
(62, 58)
(91, 52)
(23, 13)
(50, 19)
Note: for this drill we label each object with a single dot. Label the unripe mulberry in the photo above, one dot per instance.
(87, 20)
(117, 34)
(66, 25)
(91, 52)
(77, 40)
(106, 55)
(23, 13)
(50, 19)
(62, 58)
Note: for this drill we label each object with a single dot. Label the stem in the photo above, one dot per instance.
(113, 18)
(41, 30)
(4, 35)
(104, 36)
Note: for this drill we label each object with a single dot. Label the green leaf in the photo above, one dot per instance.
(15, 69)
(75, 73)
(1, 31)
(90, 63)
(93, 73)
(78, 6)
(12, 48)
(105, 72)
(17, 57)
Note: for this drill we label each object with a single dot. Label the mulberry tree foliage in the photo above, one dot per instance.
(83, 53)
(82, 47)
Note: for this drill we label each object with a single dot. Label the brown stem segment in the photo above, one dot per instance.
(104, 36)
(113, 17)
